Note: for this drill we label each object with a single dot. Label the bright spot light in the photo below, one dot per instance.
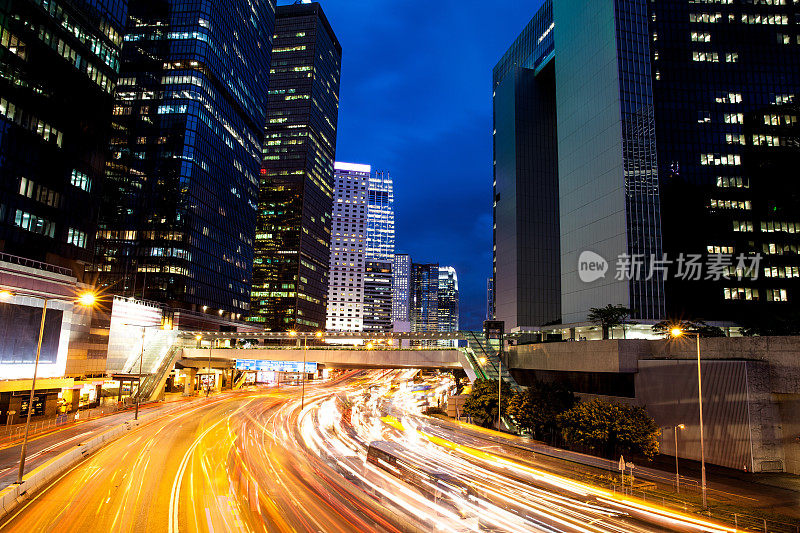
(87, 299)
(5, 295)
(318, 334)
(681, 426)
(293, 333)
(482, 361)
(676, 332)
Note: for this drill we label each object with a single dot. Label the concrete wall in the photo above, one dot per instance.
(751, 391)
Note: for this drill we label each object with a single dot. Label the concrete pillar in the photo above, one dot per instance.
(188, 386)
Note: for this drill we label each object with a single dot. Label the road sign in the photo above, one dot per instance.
(621, 463)
(630, 465)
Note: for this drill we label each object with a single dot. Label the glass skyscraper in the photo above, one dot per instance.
(180, 204)
(380, 217)
(424, 297)
(447, 294)
(636, 132)
(293, 237)
(60, 62)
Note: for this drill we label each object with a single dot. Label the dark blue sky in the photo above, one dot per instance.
(416, 99)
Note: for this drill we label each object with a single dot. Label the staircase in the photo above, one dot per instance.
(153, 383)
(480, 347)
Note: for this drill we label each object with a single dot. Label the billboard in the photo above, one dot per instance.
(19, 334)
(259, 365)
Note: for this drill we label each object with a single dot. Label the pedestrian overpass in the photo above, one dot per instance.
(478, 356)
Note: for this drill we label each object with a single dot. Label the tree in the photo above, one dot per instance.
(482, 402)
(610, 428)
(536, 408)
(665, 328)
(609, 317)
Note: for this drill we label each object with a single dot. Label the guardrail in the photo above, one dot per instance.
(16, 430)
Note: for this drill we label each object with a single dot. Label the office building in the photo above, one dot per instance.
(380, 217)
(60, 64)
(424, 297)
(179, 211)
(623, 154)
(377, 296)
(348, 248)
(401, 292)
(447, 296)
(293, 237)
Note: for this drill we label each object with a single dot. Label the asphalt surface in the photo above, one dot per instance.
(261, 460)
(46, 445)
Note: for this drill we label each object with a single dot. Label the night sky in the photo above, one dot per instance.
(416, 99)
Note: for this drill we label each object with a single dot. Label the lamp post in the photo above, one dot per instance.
(87, 299)
(141, 359)
(678, 332)
(677, 475)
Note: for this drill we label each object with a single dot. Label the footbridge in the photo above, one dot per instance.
(472, 351)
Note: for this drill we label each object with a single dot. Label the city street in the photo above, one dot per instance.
(257, 461)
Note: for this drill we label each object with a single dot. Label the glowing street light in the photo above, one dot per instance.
(678, 332)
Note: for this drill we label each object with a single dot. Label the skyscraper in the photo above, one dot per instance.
(378, 296)
(425, 297)
(401, 292)
(447, 295)
(620, 144)
(380, 217)
(348, 248)
(180, 205)
(293, 237)
(60, 64)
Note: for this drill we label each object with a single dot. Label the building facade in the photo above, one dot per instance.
(348, 248)
(179, 211)
(619, 174)
(489, 298)
(424, 297)
(378, 296)
(293, 237)
(380, 217)
(61, 63)
(447, 295)
(401, 292)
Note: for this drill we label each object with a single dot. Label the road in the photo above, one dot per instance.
(48, 444)
(258, 461)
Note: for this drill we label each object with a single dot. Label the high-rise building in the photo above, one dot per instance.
(489, 298)
(378, 296)
(60, 64)
(623, 157)
(348, 248)
(380, 217)
(293, 237)
(447, 295)
(178, 218)
(425, 297)
(401, 292)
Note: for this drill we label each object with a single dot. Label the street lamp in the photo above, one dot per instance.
(318, 335)
(677, 475)
(141, 359)
(678, 332)
(87, 299)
